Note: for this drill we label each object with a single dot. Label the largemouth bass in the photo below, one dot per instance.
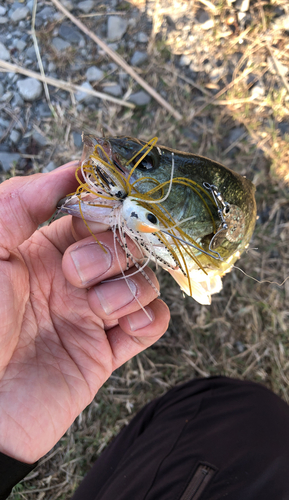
(189, 214)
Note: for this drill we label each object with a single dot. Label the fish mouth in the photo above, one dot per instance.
(112, 155)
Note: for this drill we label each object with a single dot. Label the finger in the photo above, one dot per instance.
(26, 202)
(80, 230)
(137, 331)
(117, 298)
(87, 262)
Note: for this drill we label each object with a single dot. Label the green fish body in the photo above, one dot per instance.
(194, 214)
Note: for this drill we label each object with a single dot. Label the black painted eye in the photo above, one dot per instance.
(151, 218)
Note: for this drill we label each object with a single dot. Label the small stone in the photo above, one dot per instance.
(205, 20)
(142, 37)
(185, 60)
(15, 136)
(140, 98)
(112, 46)
(84, 96)
(138, 58)
(4, 123)
(8, 160)
(20, 45)
(1, 90)
(29, 4)
(114, 90)
(4, 53)
(217, 73)
(19, 14)
(2, 10)
(258, 90)
(235, 134)
(30, 89)
(67, 4)
(43, 110)
(85, 6)
(77, 139)
(19, 125)
(47, 13)
(69, 33)
(3, 20)
(116, 28)
(281, 23)
(39, 138)
(51, 67)
(283, 128)
(59, 44)
(241, 16)
(93, 74)
(30, 53)
(242, 5)
(7, 96)
(51, 166)
(17, 101)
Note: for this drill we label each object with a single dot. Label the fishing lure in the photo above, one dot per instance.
(188, 214)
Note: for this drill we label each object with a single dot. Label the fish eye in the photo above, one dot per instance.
(151, 218)
(150, 161)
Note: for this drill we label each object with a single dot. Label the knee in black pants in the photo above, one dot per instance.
(236, 431)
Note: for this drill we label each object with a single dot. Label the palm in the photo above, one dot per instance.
(54, 351)
(62, 353)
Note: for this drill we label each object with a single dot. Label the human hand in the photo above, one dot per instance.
(59, 340)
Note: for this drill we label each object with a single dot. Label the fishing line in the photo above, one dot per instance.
(261, 281)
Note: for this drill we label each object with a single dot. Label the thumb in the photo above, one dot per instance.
(26, 202)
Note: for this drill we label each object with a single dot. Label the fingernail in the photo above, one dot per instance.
(117, 296)
(140, 319)
(91, 261)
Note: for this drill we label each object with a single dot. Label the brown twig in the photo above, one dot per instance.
(61, 84)
(119, 60)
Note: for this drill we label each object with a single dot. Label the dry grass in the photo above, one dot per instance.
(244, 333)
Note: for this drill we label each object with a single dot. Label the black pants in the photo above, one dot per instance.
(208, 439)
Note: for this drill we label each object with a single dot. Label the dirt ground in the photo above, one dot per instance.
(223, 66)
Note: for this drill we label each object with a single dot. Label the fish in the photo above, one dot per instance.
(189, 214)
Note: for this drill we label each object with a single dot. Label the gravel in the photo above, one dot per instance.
(69, 33)
(114, 90)
(59, 44)
(39, 139)
(30, 89)
(77, 139)
(93, 74)
(139, 58)
(86, 6)
(15, 136)
(83, 96)
(7, 160)
(4, 53)
(142, 37)
(140, 98)
(1, 90)
(2, 10)
(116, 28)
(19, 14)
